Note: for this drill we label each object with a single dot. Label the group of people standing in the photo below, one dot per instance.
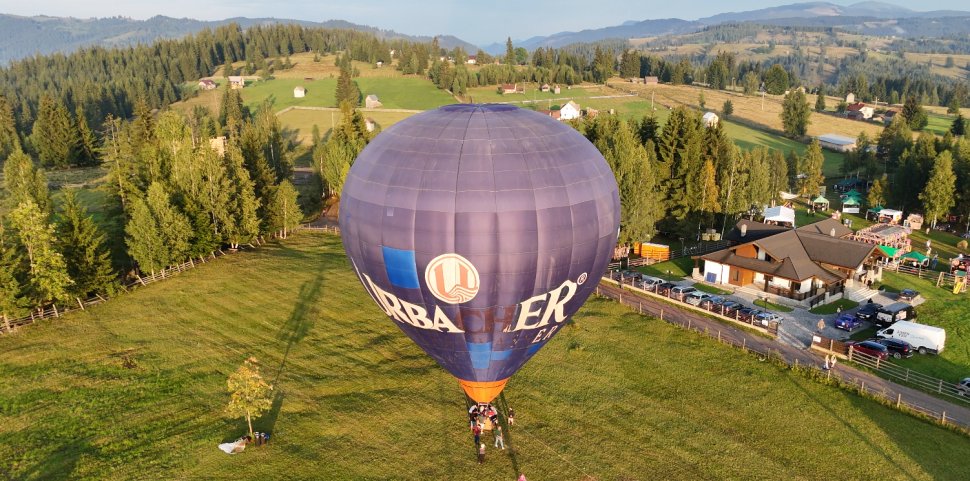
(478, 414)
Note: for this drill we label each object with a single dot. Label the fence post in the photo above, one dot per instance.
(79, 303)
(641, 307)
(850, 355)
(719, 337)
(940, 387)
(943, 418)
(56, 314)
(831, 344)
(744, 344)
(899, 399)
(877, 363)
(661, 314)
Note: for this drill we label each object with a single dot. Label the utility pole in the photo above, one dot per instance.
(762, 100)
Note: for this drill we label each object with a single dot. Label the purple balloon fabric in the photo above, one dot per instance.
(480, 229)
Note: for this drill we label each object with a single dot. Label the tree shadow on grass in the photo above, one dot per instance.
(59, 465)
(301, 318)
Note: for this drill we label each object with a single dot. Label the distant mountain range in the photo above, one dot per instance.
(874, 18)
(25, 36)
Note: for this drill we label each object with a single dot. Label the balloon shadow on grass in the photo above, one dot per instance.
(298, 325)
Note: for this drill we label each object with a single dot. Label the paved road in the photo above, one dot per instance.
(957, 414)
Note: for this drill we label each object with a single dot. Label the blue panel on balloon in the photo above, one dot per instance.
(501, 355)
(481, 353)
(401, 268)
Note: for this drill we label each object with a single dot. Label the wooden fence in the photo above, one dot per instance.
(140, 280)
(891, 370)
(845, 378)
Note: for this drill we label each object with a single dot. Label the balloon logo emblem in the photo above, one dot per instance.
(452, 278)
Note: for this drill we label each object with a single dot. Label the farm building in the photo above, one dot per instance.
(861, 109)
(370, 125)
(552, 113)
(795, 264)
(372, 102)
(472, 60)
(710, 119)
(651, 80)
(837, 143)
(888, 116)
(556, 90)
(508, 88)
(237, 81)
(850, 98)
(299, 92)
(544, 88)
(570, 111)
(380, 63)
(206, 84)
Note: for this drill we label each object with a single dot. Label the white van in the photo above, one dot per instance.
(923, 338)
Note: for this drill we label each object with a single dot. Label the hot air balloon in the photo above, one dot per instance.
(479, 230)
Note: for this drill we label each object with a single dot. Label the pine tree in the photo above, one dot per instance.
(647, 129)
(876, 197)
(679, 148)
(11, 289)
(795, 113)
(49, 279)
(88, 260)
(776, 80)
(893, 141)
(727, 108)
(55, 136)
(9, 140)
(243, 204)
(509, 52)
(87, 143)
(759, 178)
(820, 99)
(959, 126)
(118, 154)
(811, 167)
(23, 182)
(938, 195)
(283, 213)
(173, 226)
(145, 243)
(914, 114)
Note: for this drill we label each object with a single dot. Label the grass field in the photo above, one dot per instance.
(412, 92)
(279, 93)
(489, 93)
(301, 122)
(939, 124)
(357, 400)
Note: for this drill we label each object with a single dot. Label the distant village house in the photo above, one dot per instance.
(651, 80)
(206, 84)
(858, 110)
(837, 143)
(299, 92)
(472, 60)
(372, 102)
(237, 82)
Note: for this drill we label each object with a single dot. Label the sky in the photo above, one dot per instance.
(481, 22)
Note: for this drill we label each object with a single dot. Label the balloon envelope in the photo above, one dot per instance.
(479, 230)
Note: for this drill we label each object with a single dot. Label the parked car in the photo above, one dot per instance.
(631, 275)
(765, 317)
(713, 302)
(650, 283)
(922, 337)
(908, 295)
(665, 287)
(897, 311)
(963, 387)
(679, 292)
(898, 349)
(696, 298)
(748, 313)
(848, 322)
(871, 348)
(731, 306)
(868, 311)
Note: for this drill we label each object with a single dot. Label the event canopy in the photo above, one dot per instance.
(850, 201)
(788, 195)
(780, 214)
(820, 200)
(890, 252)
(853, 193)
(916, 256)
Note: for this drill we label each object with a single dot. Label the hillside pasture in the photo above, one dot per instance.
(301, 122)
(279, 93)
(411, 92)
(532, 94)
(136, 388)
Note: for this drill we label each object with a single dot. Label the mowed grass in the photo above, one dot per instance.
(301, 122)
(355, 399)
(939, 124)
(411, 92)
(490, 94)
(279, 93)
(943, 309)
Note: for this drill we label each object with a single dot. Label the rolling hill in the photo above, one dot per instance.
(26, 36)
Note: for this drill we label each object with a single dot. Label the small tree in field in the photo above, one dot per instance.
(728, 108)
(249, 393)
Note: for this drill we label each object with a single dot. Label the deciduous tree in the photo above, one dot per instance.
(49, 279)
(938, 195)
(249, 394)
(795, 113)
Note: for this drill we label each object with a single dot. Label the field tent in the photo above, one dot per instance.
(780, 215)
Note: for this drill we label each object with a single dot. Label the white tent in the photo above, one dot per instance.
(780, 214)
(788, 195)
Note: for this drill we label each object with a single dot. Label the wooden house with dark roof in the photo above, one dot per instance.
(796, 264)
